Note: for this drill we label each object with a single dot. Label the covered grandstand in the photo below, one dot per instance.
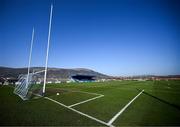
(83, 78)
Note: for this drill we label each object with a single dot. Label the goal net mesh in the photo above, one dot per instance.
(29, 86)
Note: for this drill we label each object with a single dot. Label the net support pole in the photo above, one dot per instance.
(47, 52)
(29, 64)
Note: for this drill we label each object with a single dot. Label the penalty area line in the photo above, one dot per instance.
(87, 92)
(86, 101)
(123, 109)
(81, 113)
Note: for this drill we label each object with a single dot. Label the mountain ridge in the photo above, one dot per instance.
(56, 73)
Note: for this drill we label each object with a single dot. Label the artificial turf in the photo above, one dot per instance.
(158, 105)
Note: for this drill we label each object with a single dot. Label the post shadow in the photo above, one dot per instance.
(161, 100)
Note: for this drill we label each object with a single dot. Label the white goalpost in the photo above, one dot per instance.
(29, 64)
(26, 85)
(47, 53)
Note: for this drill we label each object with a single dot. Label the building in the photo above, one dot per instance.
(83, 78)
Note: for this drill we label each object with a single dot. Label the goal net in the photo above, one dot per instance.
(29, 86)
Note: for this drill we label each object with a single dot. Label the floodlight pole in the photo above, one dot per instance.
(47, 52)
(29, 64)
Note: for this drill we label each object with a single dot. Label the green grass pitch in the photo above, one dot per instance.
(158, 105)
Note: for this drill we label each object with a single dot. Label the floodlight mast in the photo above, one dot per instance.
(47, 52)
(29, 64)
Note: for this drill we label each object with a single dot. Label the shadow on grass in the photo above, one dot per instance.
(161, 100)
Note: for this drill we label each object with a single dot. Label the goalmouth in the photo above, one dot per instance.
(26, 86)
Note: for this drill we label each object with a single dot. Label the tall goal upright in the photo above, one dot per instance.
(30, 55)
(47, 52)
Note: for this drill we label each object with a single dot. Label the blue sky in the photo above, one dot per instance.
(115, 37)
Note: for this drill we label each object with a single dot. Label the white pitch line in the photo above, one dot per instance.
(87, 92)
(93, 118)
(85, 101)
(80, 91)
(123, 109)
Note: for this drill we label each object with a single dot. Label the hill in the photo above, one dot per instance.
(53, 73)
